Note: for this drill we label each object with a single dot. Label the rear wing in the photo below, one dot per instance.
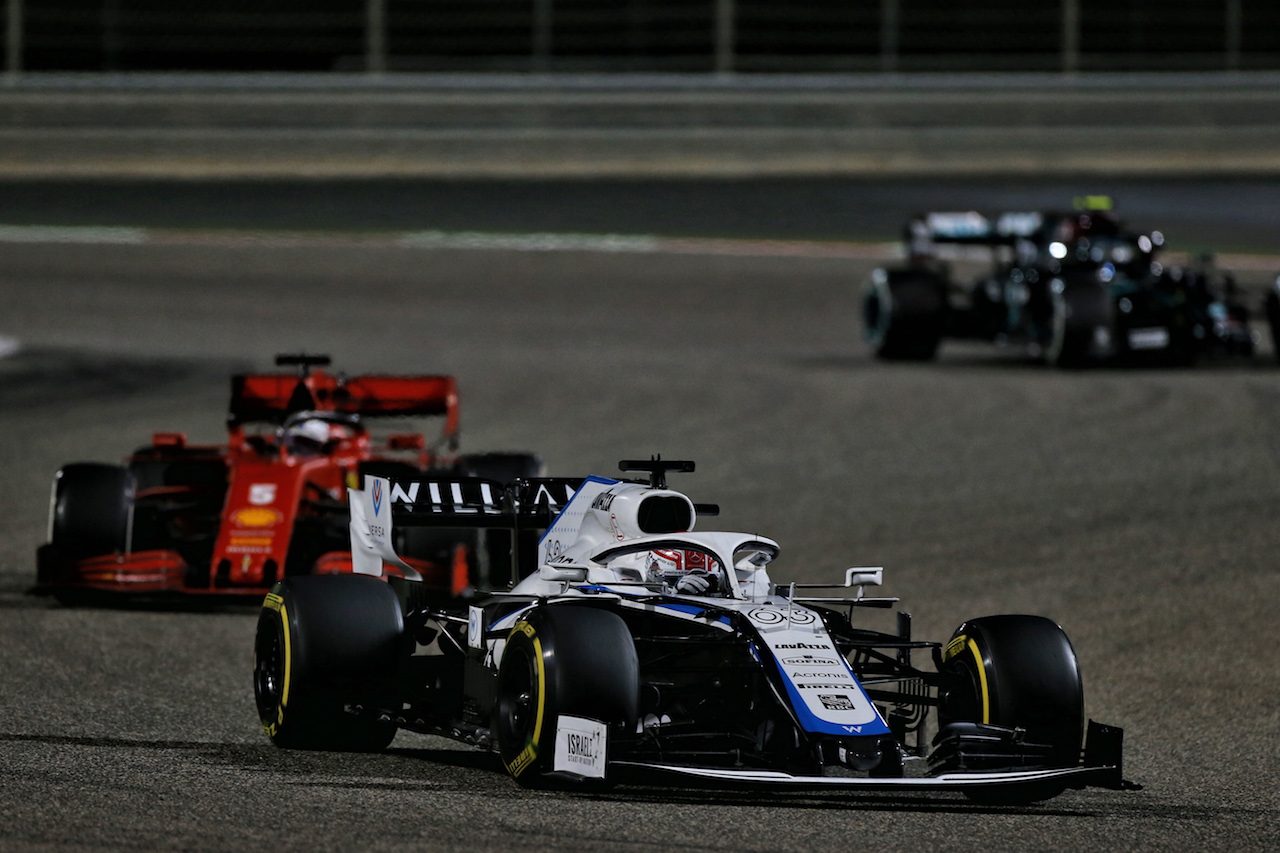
(385, 506)
(970, 228)
(274, 396)
(470, 501)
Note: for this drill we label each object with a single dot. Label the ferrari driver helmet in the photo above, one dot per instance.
(308, 435)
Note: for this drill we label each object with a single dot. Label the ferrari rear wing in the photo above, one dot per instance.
(272, 396)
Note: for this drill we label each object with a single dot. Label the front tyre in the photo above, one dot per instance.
(1273, 317)
(1016, 672)
(562, 660)
(1079, 311)
(92, 504)
(324, 642)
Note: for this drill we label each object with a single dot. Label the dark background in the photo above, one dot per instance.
(640, 35)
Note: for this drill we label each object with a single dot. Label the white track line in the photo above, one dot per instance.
(457, 240)
(70, 234)
(535, 242)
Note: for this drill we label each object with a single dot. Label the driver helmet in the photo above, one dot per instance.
(306, 436)
(669, 565)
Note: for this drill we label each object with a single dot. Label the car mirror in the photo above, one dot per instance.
(562, 573)
(863, 577)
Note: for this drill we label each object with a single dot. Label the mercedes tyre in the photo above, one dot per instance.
(903, 315)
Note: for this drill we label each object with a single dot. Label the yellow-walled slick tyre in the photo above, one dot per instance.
(324, 642)
(562, 660)
(1017, 672)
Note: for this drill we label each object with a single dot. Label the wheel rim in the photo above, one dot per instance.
(875, 315)
(268, 672)
(1058, 335)
(517, 695)
(963, 700)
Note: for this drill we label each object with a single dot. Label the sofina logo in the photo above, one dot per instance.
(377, 497)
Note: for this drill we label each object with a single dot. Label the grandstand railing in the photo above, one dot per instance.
(700, 36)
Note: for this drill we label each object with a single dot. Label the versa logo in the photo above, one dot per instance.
(377, 497)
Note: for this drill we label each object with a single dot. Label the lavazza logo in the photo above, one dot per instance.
(823, 647)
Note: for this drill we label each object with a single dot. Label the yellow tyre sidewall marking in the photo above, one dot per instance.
(288, 660)
(276, 603)
(982, 681)
(955, 647)
(522, 761)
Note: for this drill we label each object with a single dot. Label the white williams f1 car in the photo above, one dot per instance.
(635, 649)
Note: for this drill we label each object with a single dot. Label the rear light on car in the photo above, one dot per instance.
(176, 440)
(406, 441)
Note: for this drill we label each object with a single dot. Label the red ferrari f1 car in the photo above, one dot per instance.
(272, 502)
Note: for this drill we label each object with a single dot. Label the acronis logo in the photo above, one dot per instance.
(377, 497)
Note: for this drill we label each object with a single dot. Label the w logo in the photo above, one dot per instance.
(377, 497)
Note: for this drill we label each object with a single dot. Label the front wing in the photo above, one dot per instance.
(1074, 777)
(1102, 767)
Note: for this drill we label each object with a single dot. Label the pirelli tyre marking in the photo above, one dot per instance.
(960, 644)
(530, 753)
(276, 603)
(288, 662)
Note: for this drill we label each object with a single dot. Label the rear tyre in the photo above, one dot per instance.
(1273, 317)
(1017, 672)
(562, 660)
(1078, 312)
(324, 642)
(902, 315)
(91, 507)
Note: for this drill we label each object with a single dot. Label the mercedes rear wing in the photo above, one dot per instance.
(969, 228)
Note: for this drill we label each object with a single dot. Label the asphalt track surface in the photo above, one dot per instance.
(1136, 507)
(1196, 215)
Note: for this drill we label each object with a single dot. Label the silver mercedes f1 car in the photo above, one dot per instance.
(628, 647)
